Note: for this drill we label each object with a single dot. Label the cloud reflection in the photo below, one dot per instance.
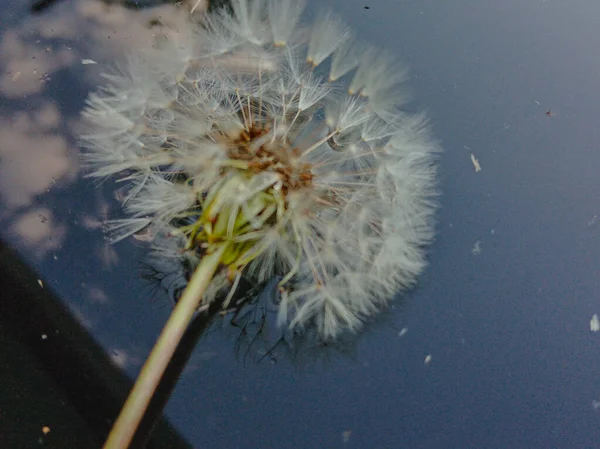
(37, 231)
(39, 59)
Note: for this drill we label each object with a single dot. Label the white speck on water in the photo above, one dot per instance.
(595, 323)
(475, 163)
(403, 332)
(346, 436)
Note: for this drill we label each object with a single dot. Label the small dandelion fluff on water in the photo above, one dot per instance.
(256, 147)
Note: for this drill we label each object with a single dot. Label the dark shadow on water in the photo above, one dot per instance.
(54, 373)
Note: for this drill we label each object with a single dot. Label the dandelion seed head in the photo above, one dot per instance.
(241, 132)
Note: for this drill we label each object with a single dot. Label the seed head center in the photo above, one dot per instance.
(275, 155)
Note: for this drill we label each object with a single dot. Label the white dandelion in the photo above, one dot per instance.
(257, 147)
(315, 175)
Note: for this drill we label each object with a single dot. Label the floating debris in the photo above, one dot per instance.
(428, 359)
(41, 283)
(476, 251)
(595, 323)
(475, 163)
(88, 61)
(45, 430)
(403, 332)
(346, 436)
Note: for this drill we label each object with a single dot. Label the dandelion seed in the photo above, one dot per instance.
(117, 230)
(346, 58)
(229, 141)
(327, 35)
(247, 21)
(283, 18)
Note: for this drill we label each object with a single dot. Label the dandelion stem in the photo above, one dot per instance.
(127, 423)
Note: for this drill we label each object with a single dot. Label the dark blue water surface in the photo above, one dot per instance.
(504, 308)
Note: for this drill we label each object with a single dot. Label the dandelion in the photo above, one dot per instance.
(255, 147)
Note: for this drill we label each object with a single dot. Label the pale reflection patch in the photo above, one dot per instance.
(38, 149)
(37, 231)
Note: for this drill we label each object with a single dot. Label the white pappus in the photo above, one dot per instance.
(285, 141)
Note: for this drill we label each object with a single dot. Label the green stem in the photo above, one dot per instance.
(132, 412)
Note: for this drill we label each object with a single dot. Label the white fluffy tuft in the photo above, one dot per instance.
(247, 113)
